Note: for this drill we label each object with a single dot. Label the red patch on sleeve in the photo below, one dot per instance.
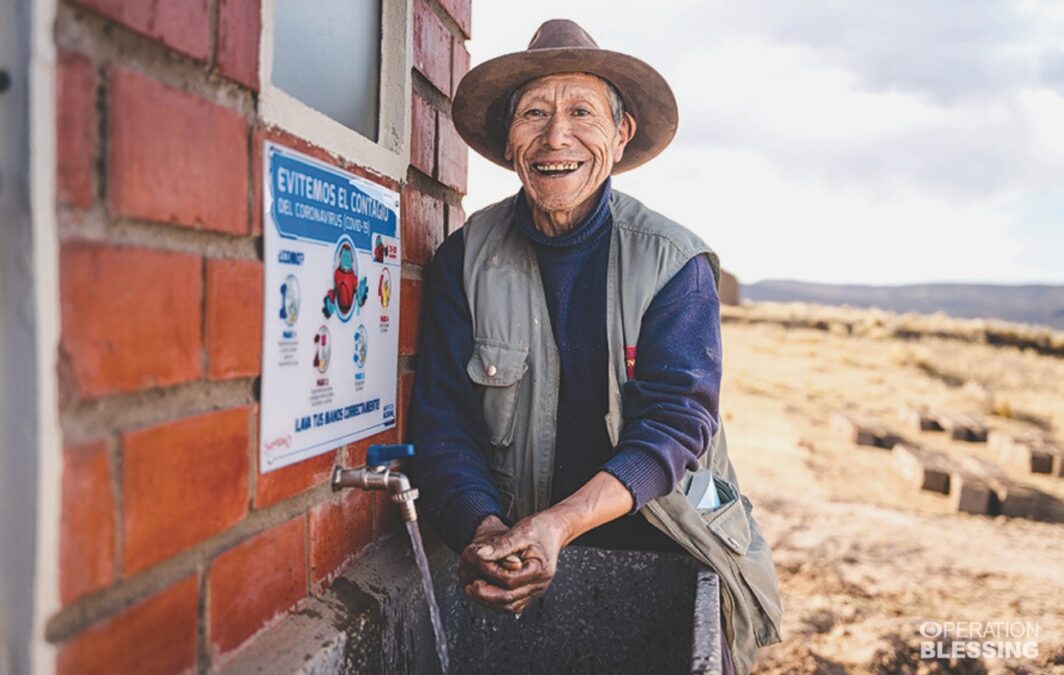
(629, 361)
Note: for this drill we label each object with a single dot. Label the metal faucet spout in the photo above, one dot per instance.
(403, 495)
(377, 475)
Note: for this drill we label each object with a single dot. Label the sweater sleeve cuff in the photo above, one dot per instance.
(466, 513)
(645, 478)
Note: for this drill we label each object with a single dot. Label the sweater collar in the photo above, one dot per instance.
(586, 230)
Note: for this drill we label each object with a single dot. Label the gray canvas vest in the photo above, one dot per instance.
(515, 369)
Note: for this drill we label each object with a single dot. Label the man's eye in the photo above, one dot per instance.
(535, 112)
(581, 112)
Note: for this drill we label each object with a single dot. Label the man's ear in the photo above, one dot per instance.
(508, 153)
(625, 133)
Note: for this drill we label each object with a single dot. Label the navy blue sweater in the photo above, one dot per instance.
(670, 407)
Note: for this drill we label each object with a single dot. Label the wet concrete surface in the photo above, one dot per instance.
(605, 612)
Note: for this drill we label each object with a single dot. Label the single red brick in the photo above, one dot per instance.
(432, 47)
(453, 156)
(357, 508)
(87, 530)
(234, 317)
(406, 389)
(182, 482)
(75, 129)
(281, 484)
(338, 530)
(423, 136)
(252, 584)
(354, 454)
(183, 26)
(328, 550)
(422, 225)
(455, 218)
(157, 635)
(459, 65)
(409, 316)
(131, 317)
(175, 158)
(462, 13)
(239, 25)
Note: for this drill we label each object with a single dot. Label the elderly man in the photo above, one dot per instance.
(568, 380)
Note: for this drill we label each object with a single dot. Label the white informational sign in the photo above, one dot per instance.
(330, 342)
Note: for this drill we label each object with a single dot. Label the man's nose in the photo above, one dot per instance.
(558, 132)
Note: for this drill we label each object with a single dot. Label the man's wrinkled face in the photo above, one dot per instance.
(563, 142)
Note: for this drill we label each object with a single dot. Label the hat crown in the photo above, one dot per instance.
(561, 34)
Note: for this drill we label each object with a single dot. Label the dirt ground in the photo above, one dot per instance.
(865, 559)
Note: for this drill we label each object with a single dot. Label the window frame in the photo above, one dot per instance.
(389, 155)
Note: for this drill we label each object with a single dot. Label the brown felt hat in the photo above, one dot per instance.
(561, 46)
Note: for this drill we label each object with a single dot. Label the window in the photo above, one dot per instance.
(336, 72)
(327, 54)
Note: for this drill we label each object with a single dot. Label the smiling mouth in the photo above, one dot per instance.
(556, 168)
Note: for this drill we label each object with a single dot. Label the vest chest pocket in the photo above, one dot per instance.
(497, 368)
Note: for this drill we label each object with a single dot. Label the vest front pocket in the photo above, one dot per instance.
(733, 526)
(497, 368)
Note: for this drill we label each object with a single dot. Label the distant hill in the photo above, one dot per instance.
(1035, 304)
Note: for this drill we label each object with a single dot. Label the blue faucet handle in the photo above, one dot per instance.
(382, 455)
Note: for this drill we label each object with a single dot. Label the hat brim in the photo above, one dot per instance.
(479, 109)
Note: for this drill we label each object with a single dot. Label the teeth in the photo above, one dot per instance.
(558, 166)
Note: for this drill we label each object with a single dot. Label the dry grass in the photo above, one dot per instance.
(877, 323)
(863, 558)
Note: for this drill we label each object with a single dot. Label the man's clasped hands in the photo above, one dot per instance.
(506, 568)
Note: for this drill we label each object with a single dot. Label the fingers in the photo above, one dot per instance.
(471, 566)
(520, 606)
(510, 544)
(489, 526)
(512, 561)
(509, 572)
(529, 572)
(504, 600)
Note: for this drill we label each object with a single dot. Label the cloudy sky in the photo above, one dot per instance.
(846, 141)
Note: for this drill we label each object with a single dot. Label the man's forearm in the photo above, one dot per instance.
(600, 500)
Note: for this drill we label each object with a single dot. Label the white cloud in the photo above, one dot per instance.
(841, 141)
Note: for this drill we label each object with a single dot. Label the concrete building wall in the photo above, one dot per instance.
(729, 288)
(174, 551)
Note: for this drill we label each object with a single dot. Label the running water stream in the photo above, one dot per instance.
(430, 596)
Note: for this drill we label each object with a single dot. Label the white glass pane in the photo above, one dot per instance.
(327, 53)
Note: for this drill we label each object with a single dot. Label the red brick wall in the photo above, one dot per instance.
(174, 552)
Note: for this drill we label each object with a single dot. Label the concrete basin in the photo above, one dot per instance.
(605, 612)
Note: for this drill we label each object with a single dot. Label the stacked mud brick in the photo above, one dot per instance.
(960, 427)
(1030, 452)
(973, 485)
(863, 430)
(728, 289)
(173, 550)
